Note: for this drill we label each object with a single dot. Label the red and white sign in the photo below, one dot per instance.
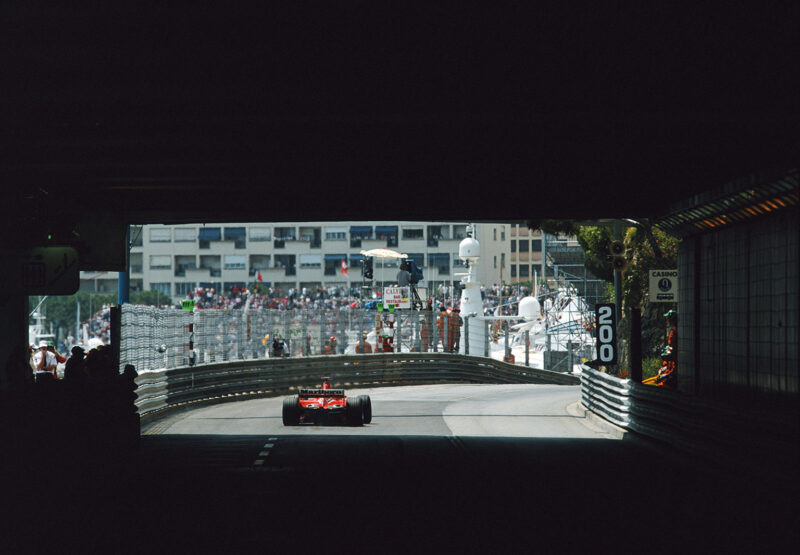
(398, 296)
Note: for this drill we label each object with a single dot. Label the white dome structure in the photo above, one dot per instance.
(469, 249)
(529, 308)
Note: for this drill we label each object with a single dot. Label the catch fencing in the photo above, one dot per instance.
(154, 338)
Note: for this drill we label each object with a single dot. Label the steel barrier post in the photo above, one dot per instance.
(569, 356)
(466, 334)
(527, 347)
(434, 332)
(305, 333)
(486, 338)
(636, 345)
(446, 334)
(505, 351)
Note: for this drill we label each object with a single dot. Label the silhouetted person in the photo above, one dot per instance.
(75, 367)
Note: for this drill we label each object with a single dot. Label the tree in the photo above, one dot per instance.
(61, 311)
(647, 248)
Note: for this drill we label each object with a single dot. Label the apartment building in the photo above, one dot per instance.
(174, 259)
(525, 253)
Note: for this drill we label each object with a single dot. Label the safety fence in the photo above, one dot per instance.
(165, 338)
(163, 390)
(697, 426)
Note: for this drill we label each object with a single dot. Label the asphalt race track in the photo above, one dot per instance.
(474, 468)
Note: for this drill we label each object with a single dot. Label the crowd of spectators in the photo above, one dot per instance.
(342, 298)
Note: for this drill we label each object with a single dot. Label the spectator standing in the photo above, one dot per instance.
(44, 363)
(363, 346)
(75, 368)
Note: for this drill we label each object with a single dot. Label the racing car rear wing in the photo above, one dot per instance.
(322, 393)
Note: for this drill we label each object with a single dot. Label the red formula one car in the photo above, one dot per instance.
(326, 405)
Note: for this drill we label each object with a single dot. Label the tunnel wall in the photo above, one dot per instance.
(738, 310)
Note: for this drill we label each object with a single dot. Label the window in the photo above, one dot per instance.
(335, 233)
(356, 260)
(136, 236)
(185, 234)
(333, 263)
(160, 235)
(260, 234)
(234, 233)
(503, 234)
(502, 260)
(523, 245)
(208, 234)
(310, 261)
(441, 261)
(360, 232)
(160, 262)
(285, 233)
(183, 289)
(495, 261)
(536, 245)
(258, 262)
(235, 262)
(212, 264)
(183, 263)
(387, 233)
(494, 238)
(513, 270)
(413, 233)
(524, 270)
(287, 262)
(165, 288)
(513, 245)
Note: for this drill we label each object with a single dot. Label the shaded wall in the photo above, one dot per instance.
(738, 310)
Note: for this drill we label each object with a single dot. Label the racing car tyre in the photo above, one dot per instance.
(354, 411)
(367, 404)
(291, 411)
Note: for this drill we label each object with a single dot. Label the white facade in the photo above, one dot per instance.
(177, 258)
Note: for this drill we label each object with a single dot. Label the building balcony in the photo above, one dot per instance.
(201, 274)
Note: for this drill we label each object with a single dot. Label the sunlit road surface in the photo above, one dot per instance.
(472, 468)
(425, 410)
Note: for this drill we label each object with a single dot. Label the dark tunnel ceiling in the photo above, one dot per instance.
(434, 111)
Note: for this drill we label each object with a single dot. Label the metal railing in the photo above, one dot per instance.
(229, 381)
(693, 425)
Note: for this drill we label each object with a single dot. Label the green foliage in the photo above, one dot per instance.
(647, 248)
(650, 367)
(150, 298)
(62, 310)
(555, 227)
(595, 241)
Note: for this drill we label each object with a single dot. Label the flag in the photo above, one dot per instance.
(344, 267)
(258, 277)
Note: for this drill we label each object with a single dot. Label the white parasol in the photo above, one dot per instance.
(384, 253)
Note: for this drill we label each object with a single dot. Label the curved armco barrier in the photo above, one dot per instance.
(160, 391)
(694, 425)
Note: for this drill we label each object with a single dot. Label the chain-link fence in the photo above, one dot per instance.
(164, 338)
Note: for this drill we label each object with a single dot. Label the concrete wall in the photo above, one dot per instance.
(738, 310)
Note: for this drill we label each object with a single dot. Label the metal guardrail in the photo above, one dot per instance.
(691, 424)
(162, 390)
